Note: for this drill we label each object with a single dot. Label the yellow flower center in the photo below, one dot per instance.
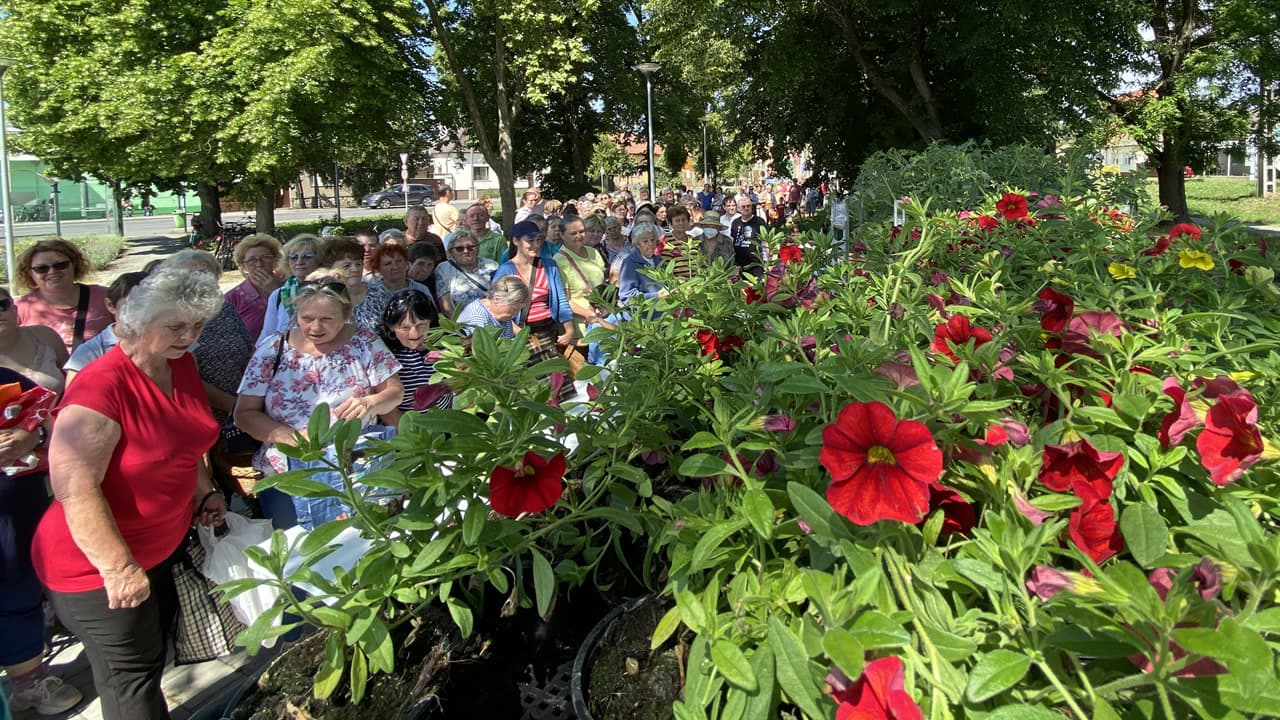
(880, 454)
(528, 471)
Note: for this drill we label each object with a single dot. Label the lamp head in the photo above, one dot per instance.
(648, 68)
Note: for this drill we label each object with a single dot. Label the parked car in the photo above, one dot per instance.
(394, 196)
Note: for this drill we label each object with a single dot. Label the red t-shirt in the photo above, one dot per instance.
(539, 310)
(150, 481)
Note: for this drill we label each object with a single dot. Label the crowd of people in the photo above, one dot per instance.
(165, 384)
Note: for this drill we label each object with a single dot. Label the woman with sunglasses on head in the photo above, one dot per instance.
(321, 359)
(258, 257)
(302, 256)
(549, 317)
(405, 323)
(51, 270)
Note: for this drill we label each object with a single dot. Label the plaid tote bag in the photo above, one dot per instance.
(205, 627)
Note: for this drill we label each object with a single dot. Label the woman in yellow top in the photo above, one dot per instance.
(581, 268)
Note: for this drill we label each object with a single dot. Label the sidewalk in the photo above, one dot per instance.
(188, 689)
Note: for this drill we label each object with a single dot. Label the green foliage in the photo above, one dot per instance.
(99, 249)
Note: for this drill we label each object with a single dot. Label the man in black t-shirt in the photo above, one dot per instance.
(745, 232)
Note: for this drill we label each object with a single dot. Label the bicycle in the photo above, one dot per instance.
(224, 243)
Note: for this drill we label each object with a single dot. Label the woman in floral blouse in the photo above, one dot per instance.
(323, 359)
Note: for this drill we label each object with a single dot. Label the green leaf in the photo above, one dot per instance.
(802, 383)
(1023, 712)
(703, 465)
(331, 617)
(461, 615)
(711, 541)
(792, 666)
(359, 675)
(758, 509)
(1145, 533)
(329, 673)
(733, 665)
(691, 611)
(666, 627)
(430, 554)
(701, 440)
(322, 535)
(874, 629)
(378, 646)
(760, 706)
(996, 672)
(813, 509)
(544, 583)
(1092, 642)
(845, 651)
(473, 523)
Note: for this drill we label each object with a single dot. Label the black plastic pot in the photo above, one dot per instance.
(581, 677)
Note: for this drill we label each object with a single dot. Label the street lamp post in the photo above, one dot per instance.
(404, 179)
(706, 174)
(337, 193)
(648, 69)
(5, 205)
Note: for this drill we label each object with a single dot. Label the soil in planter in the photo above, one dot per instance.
(518, 667)
(627, 680)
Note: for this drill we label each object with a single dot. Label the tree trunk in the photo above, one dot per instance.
(117, 218)
(210, 208)
(1173, 184)
(265, 216)
(506, 190)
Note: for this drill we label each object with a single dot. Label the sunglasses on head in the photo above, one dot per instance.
(44, 269)
(294, 257)
(330, 286)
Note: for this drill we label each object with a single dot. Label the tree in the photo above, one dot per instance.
(610, 159)
(213, 94)
(501, 60)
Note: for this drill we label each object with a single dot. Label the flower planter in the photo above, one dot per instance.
(614, 665)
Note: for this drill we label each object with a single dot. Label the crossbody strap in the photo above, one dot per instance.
(467, 275)
(82, 318)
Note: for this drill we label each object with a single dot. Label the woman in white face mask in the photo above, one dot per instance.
(713, 238)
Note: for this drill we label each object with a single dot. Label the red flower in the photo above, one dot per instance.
(1080, 331)
(879, 694)
(1066, 467)
(1161, 246)
(1190, 229)
(1092, 526)
(790, 254)
(1055, 310)
(1230, 442)
(1182, 420)
(532, 487)
(1012, 206)
(957, 331)
(958, 515)
(988, 223)
(429, 396)
(881, 467)
(710, 343)
(731, 344)
(752, 296)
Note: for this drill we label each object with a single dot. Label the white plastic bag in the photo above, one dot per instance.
(225, 561)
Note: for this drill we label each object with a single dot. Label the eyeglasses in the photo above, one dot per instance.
(331, 287)
(295, 257)
(44, 269)
(465, 248)
(5, 304)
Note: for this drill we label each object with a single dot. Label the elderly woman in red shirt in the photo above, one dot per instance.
(128, 469)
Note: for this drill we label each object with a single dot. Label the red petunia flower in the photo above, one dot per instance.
(1182, 420)
(1078, 339)
(1230, 442)
(429, 396)
(957, 331)
(988, 223)
(881, 467)
(1092, 525)
(1012, 206)
(958, 515)
(710, 343)
(1066, 467)
(752, 296)
(1189, 229)
(790, 254)
(879, 694)
(1160, 248)
(1204, 575)
(531, 487)
(1055, 310)
(731, 344)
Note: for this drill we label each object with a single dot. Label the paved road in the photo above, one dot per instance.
(164, 225)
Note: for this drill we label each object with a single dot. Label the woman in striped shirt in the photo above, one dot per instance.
(405, 322)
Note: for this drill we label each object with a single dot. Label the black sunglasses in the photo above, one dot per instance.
(312, 286)
(44, 269)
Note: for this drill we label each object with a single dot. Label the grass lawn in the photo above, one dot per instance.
(1208, 196)
(99, 249)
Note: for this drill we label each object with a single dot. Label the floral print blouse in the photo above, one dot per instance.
(304, 381)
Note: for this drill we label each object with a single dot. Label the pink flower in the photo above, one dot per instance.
(1182, 420)
(779, 423)
(1044, 582)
